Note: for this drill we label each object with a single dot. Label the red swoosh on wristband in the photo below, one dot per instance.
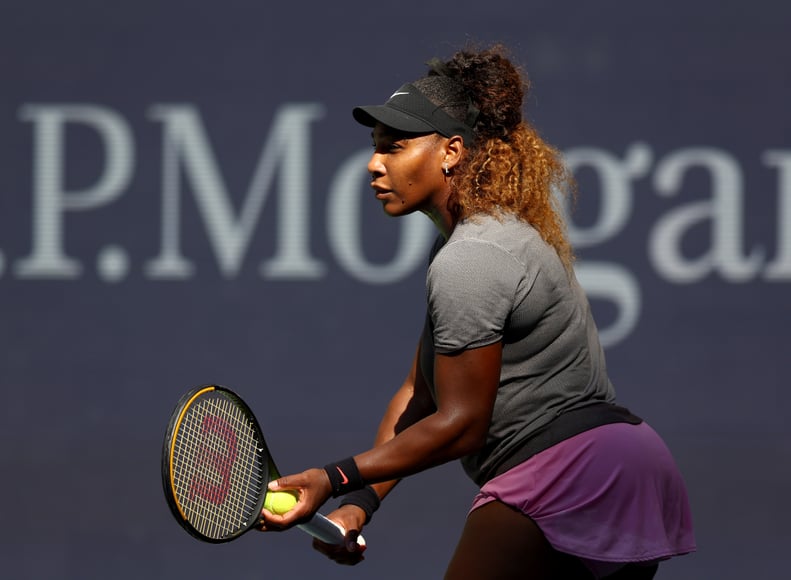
(345, 479)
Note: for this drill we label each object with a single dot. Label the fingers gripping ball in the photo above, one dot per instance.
(279, 502)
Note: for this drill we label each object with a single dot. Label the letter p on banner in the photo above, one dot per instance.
(50, 197)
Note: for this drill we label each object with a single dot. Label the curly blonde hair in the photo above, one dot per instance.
(508, 168)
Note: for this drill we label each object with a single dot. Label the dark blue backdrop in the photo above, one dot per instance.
(183, 200)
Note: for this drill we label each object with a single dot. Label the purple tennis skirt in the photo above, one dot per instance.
(609, 496)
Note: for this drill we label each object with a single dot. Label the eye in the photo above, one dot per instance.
(386, 145)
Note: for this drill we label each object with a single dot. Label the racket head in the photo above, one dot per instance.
(215, 464)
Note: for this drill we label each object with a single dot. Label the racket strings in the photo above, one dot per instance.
(222, 508)
(218, 471)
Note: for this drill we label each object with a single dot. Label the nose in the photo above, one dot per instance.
(375, 166)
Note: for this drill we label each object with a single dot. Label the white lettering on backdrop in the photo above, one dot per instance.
(283, 170)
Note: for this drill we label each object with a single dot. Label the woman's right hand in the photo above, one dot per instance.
(352, 519)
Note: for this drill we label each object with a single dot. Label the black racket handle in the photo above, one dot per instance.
(327, 531)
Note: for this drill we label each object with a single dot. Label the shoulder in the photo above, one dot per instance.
(479, 258)
(506, 240)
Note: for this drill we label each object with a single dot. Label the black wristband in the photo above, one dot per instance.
(344, 476)
(366, 499)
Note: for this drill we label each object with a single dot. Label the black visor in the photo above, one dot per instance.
(410, 111)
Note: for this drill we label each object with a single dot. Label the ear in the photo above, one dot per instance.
(454, 147)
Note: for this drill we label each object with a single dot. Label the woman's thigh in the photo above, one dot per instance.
(500, 543)
(635, 572)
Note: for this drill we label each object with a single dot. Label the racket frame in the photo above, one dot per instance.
(319, 526)
(174, 425)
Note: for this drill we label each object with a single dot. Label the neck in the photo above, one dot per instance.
(442, 219)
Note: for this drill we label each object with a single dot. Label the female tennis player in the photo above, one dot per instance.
(509, 376)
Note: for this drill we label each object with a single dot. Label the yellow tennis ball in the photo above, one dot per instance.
(279, 502)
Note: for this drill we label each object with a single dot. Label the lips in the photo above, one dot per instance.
(379, 191)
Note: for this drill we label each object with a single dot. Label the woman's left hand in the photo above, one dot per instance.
(313, 487)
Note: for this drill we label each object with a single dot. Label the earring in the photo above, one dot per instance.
(445, 169)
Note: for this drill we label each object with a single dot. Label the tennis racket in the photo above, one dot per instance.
(216, 468)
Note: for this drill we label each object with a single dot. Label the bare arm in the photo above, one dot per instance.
(466, 384)
(414, 434)
(411, 403)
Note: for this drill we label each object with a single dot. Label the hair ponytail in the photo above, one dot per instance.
(508, 168)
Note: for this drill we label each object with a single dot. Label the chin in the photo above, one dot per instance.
(396, 209)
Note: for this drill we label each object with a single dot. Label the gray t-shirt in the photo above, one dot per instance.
(498, 280)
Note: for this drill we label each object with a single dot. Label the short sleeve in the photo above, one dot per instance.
(471, 287)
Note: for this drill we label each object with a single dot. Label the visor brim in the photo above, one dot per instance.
(369, 116)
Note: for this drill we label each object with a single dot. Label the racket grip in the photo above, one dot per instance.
(324, 529)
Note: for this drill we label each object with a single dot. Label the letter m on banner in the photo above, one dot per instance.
(186, 151)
